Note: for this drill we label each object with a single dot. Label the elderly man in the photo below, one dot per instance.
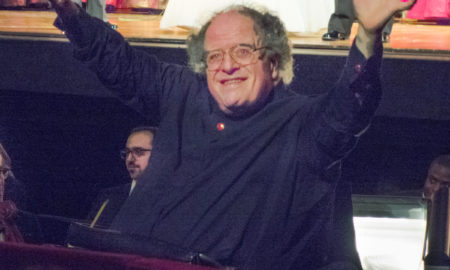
(244, 169)
(136, 154)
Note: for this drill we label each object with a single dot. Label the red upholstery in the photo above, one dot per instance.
(15, 256)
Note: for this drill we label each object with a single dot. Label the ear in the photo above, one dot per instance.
(274, 69)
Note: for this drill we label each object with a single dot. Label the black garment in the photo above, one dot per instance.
(258, 194)
(344, 15)
(116, 197)
(16, 192)
(340, 266)
(28, 224)
(343, 252)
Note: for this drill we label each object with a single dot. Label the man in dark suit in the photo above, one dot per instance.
(341, 21)
(136, 154)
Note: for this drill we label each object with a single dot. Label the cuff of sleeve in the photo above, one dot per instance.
(361, 86)
(360, 66)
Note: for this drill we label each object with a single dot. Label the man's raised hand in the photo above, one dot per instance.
(64, 7)
(373, 14)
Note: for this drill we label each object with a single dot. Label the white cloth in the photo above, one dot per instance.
(133, 184)
(297, 15)
(390, 243)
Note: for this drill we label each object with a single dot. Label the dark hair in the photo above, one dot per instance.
(270, 31)
(151, 129)
(442, 160)
(5, 156)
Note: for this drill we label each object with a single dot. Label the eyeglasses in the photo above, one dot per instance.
(135, 151)
(243, 54)
(4, 171)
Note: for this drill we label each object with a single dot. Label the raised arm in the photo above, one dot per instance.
(372, 16)
(130, 74)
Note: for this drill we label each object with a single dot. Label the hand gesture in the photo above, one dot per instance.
(373, 14)
(64, 8)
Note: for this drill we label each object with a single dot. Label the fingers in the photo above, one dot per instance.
(403, 4)
(56, 3)
(373, 15)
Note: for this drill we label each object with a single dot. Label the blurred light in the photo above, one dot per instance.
(391, 243)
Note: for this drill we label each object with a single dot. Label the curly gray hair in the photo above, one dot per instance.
(268, 28)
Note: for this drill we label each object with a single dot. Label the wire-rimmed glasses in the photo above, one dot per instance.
(243, 54)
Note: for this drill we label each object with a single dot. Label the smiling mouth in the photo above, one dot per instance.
(232, 81)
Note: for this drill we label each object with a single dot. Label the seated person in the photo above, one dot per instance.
(243, 169)
(8, 210)
(437, 224)
(438, 175)
(136, 154)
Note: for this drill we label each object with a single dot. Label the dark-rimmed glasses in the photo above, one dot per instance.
(135, 151)
(243, 54)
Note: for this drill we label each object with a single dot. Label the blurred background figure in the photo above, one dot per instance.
(97, 9)
(438, 175)
(430, 10)
(341, 22)
(136, 155)
(10, 192)
(13, 4)
(16, 224)
(298, 16)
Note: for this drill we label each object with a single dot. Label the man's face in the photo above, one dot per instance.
(139, 146)
(437, 176)
(237, 88)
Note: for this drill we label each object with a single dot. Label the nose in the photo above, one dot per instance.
(130, 157)
(229, 65)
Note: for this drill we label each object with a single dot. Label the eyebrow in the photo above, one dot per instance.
(239, 44)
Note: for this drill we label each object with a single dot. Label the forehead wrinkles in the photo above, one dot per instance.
(227, 28)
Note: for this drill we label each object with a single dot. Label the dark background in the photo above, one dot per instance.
(64, 131)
